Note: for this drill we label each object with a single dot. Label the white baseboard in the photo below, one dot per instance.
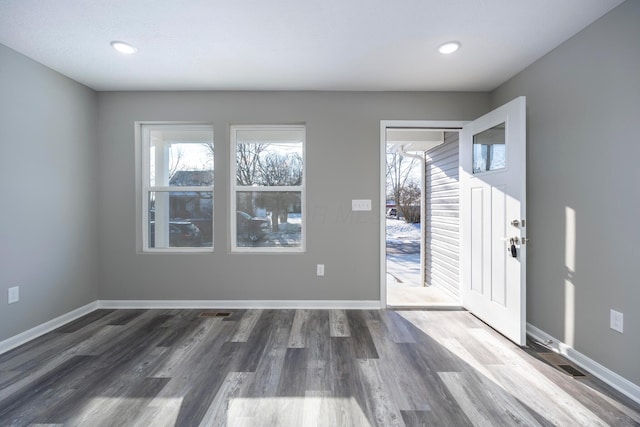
(242, 304)
(35, 332)
(608, 376)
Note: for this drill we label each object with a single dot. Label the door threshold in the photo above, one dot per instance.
(426, 307)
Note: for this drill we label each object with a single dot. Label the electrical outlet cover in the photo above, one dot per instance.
(13, 295)
(616, 321)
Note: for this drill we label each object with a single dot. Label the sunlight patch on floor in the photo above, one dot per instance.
(288, 411)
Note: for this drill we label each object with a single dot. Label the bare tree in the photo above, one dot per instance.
(279, 170)
(398, 172)
(256, 164)
(209, 162)
(248, 169)
(175, 161)
(409, 202)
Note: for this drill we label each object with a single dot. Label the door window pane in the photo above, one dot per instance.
(489, 149)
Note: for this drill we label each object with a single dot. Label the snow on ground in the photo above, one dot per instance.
(403, 269)
(289, 233)
(400, 231)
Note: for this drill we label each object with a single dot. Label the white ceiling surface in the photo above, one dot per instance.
(292, 44)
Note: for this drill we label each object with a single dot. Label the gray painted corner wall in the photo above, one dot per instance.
(48, 220)
(583, 102)
(342, 160)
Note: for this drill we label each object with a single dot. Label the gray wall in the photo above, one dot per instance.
(583, 100)
(48, 227)
(343, 163)
(583, 152)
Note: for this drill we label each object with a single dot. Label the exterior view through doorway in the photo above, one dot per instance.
(421, 215)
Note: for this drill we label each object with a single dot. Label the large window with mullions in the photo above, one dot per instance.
(176, 187)
(268, 196)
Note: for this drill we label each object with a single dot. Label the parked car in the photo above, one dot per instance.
(251, 228)
(392, 213)
(181, 234)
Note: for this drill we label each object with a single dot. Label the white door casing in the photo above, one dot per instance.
(452, 125)
(493, 281)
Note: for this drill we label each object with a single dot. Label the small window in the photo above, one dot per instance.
(177, 183)
(267, 202)
(489, 150)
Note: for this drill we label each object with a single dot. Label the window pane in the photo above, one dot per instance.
(489, 150)
(180, 157)
(269, 219)
(269, 163)
(180, 219)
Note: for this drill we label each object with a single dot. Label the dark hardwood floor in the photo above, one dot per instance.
(294, 368)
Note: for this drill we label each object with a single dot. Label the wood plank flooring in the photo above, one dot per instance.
(293, 368)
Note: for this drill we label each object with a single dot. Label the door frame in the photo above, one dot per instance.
(453, 125)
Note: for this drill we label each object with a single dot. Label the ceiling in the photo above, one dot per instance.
(292, 44)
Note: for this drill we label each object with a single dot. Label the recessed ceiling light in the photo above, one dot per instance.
(449, 47)
(123, 47)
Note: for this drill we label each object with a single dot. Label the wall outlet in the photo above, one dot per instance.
(13, 294)
(320, 270)
(361, 205)
(616, 321)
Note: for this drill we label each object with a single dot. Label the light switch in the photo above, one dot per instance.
(361, 205)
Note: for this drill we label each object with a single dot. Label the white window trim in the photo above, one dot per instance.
(143, 186)
(236, 188)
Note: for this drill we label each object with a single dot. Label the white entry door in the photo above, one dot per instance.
(493, 187)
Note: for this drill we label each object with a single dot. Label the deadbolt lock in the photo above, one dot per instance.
(516, 223)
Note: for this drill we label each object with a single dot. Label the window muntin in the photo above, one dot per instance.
(177, 200)
(267, 212)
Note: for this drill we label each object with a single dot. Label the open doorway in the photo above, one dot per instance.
(489, 190)
(420, 251)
